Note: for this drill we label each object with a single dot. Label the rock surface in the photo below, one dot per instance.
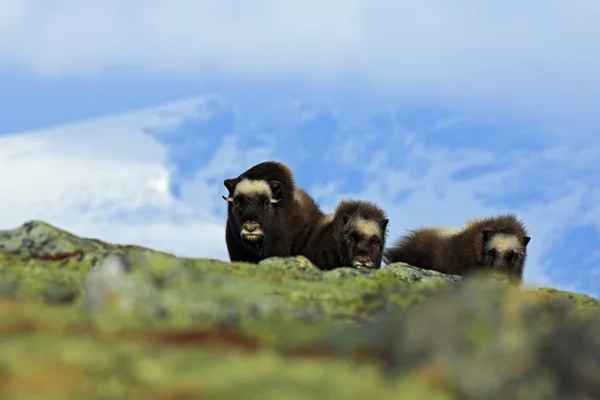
(85, 319)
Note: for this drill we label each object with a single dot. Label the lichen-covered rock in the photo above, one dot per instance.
(81, 318)
(482, 341)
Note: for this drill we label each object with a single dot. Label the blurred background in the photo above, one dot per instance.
(121, 119)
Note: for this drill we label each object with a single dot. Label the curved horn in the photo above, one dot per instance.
(275, 201)
(226, 198)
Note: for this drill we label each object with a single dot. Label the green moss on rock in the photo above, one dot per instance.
(82, 318)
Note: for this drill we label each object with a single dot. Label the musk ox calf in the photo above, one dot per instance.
(264, 212)
(354, 235)
(493, 244)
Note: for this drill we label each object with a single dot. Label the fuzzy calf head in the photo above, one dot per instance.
(251, 206)
(504, 252)
(364, 240)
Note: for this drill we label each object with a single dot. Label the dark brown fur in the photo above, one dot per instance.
(465, 252)
(279, 222)
(332, 241)
(307, 212)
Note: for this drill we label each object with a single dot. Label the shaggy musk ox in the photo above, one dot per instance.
(264, 212)
(354, 235)
(495, 244)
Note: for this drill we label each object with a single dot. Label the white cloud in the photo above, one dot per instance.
(493, 54)
(93, 177)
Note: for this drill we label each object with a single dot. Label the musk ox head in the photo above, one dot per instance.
(362, 227)
(364, 241)
(251, 206)
(504, 253)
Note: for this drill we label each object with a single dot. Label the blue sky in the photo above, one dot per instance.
(127, 116)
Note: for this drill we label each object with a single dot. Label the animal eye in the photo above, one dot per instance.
(491, 252)
(375, 242)
(512, 256)
(266, 202)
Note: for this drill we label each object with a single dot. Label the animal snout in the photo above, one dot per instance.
(363, 259)
(251, 226)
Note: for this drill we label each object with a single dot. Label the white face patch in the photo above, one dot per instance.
(367, 227)
(251, 187)
(446, 231)
(502, 242)
(326, 219)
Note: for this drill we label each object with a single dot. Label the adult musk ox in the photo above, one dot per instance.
(495, 244)
(265, 211)
(354, 235)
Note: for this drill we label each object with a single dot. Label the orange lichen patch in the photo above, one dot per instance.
(20, 317)
(366, 353)
(17, 328)
(194, 337)
(58, 256)
(9, 305)
(12, 257)
(434, 375)
(20, 323)
(53, 379)
(21, 327)
(174, 393)
(112, 299)
(359, 353)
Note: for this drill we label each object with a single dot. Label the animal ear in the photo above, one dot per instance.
(384, 223)
(486, 235)
(230, 184)
(525, 240)
(276, 188)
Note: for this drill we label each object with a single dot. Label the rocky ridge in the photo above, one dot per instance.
(82, 318)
